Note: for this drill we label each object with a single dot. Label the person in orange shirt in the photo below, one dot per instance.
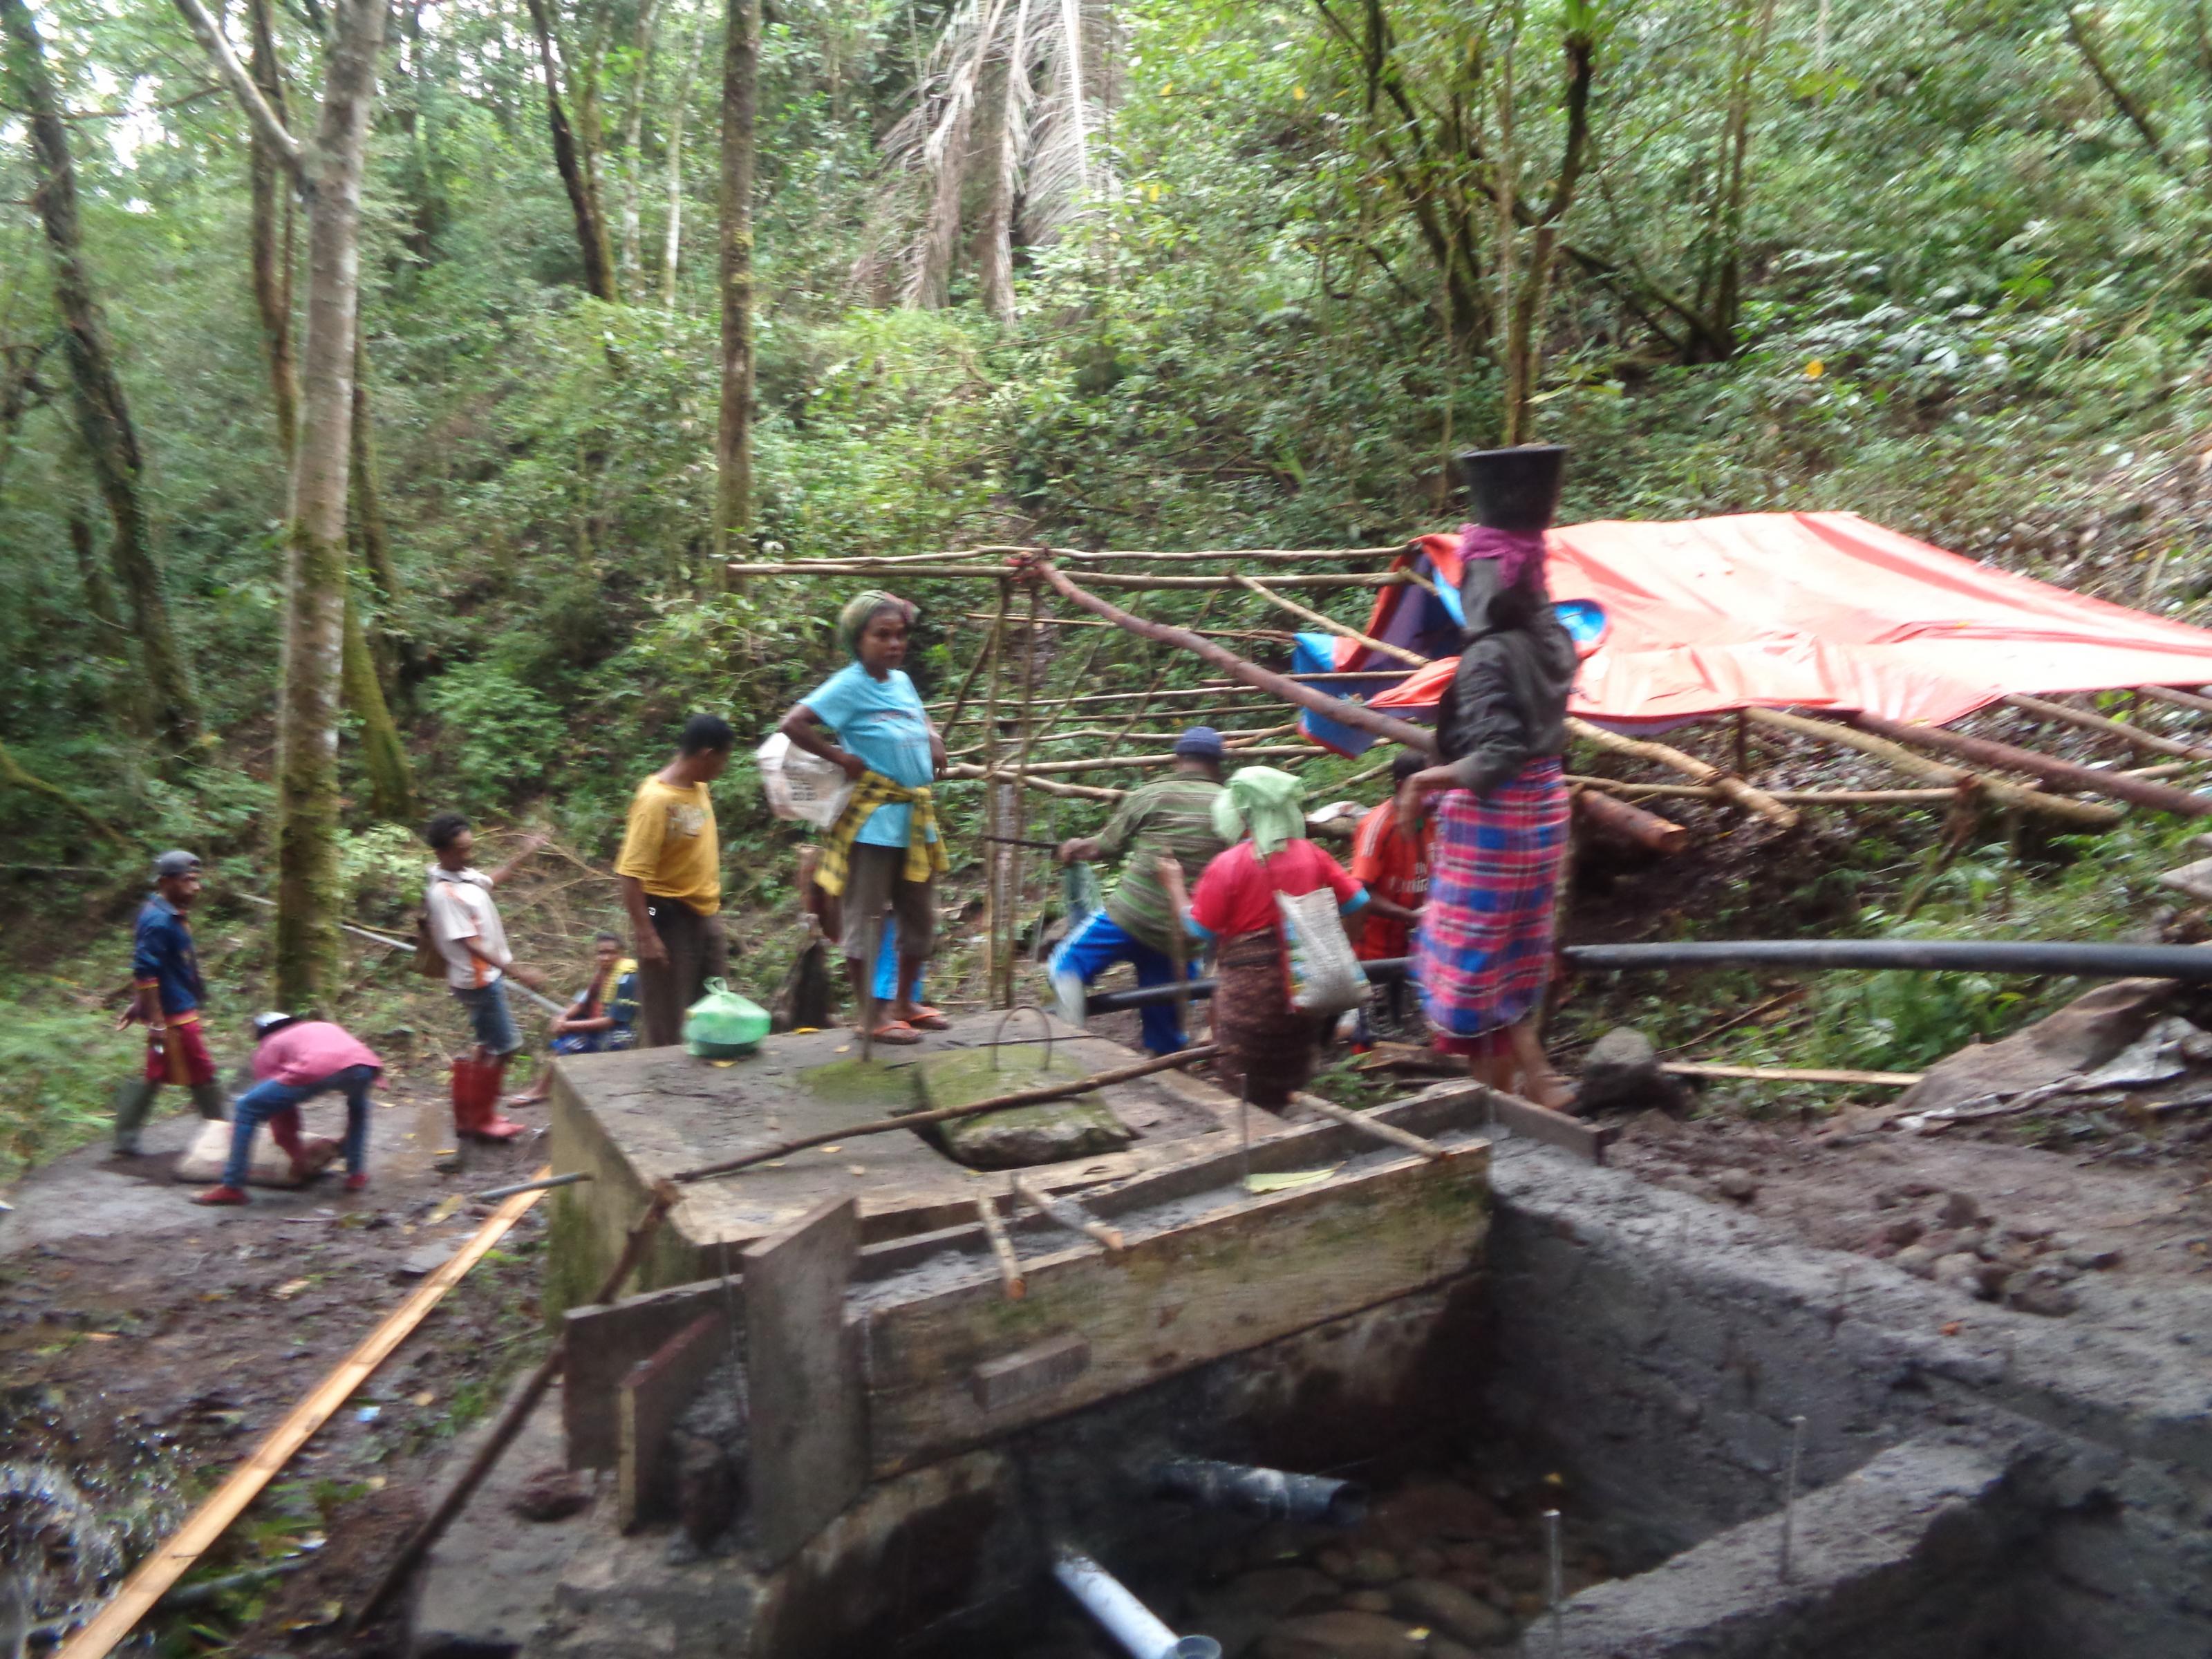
(1392, 866)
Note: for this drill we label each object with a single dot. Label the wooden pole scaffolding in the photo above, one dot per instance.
(2167, 694)
(1398, 653)
(2142, 792)
(1320, 582)
(1734, 788)
(2086, 814)
(1276, 686)
(996, 794)
(997, 621)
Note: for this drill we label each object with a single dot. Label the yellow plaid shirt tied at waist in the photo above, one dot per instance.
(925, 847)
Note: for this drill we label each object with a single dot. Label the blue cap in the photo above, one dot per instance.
(1200, 743)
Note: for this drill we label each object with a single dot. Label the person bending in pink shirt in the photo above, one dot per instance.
(294, 1060)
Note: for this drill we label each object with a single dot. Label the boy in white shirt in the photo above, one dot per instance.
(465, 923)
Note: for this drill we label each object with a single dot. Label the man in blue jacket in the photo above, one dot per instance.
(167, 1000)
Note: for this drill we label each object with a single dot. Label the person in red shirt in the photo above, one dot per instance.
(294, 1059)
(1266, 1045)
(1392, 866)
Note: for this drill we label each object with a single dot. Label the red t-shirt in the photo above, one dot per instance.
(1391, 864)
(1237, 893)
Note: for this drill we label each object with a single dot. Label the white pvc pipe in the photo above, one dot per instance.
(1127, 1620)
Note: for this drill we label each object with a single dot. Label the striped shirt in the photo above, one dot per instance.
(1172, 815)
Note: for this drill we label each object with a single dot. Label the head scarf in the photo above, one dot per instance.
(1501, 581)
(1268, 803)
(853, 621)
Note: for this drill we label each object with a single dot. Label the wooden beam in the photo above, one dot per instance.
(1225, 555)
(182, 1552)
(605, 1342)
(1002, 1248)
(1373, 1128)
(1734, 788)
(1617, 821)
(1621, 788)
(2142, 792)
(1790, 1075)
(1067, 1212)
(2042, 709)
(1277, 634)
(808, 1405)
(1344, 712)
(1586, 1141)
(2086, 814)
(1339, 630)
(961, 771)
(1104, 763)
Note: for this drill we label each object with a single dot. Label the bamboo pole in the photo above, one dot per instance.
(995, 795)
(1009, 1267)
(1068, 1213)
(1111, 763)
(2142, 792)
(1789, 1074)
(1617, 786)
(2087, 814)
(1617, 821)
(169, 1562)
(1223, 555)
(1278, 634)
(1375, 1128)
(1139, 710)
(2042, 709)
(997, 621)
(1735, 789)
(1339, 629)
(964, 773)
(1332, 581)
(1288, 690)
(1036, 1096)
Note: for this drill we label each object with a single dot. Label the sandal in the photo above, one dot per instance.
(927, 1018)
(895, 1031)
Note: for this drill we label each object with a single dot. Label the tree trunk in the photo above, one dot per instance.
(99, 600)
(633, 257)
(391, 781)
(368, 485)
(995, 240)
(1524, 344)
(733, 457)
(272, 240)
(671, 249)
(103, 414)
(1721, 298)
(583, 200)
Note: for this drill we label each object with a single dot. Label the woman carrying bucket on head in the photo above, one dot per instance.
(885, 850)
(1483, 956)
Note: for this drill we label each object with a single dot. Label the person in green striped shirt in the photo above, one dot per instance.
(1171, 817)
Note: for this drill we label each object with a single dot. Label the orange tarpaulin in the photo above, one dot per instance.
(1811, 610)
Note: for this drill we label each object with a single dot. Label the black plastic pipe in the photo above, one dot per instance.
(1382, 971)
(1276, 1493)
(2187, 962)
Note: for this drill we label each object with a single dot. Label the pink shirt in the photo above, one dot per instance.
(304, 1054)
(1237, 893)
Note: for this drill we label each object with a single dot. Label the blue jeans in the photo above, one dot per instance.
(265, 1099)
(490, 1020)
(1095, 944)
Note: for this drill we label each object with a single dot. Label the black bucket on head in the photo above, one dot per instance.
(1514, 489)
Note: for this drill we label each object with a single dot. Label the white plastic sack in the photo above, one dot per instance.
(801, 786)
(1326, 977)
(268, 1164)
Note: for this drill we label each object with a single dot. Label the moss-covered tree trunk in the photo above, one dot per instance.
(672, 248)
(103, 414)
(328, 171)
(391, 781)
(592, 240)
(733, 449)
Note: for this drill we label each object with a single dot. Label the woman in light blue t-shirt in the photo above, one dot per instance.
(880, 726)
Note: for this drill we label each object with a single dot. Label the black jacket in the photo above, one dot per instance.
(1507, 705)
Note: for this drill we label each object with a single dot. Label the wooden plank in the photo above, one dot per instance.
(1177, 1297)
(1375, 1129)
(171, 1560)
(605, 1339)
(1587, 1141)
(810, 1446)
(647, 1402)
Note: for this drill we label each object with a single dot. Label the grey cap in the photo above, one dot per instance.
(265, 1024)
(176, 862)
(1200, 743)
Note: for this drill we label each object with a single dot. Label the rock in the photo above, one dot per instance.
(1443, 1647)
(1961, 1270)
(1917, 1259)
(1990, 1281)
(1336, 1563)
(2091, 1261)
(1959, 1210)
(709, 1488)
(1368, 1601)
(1273, 1592)
(1903, 1230)
(550, 1494)
(1423, 1562)
(1621, 1070)
(2046, 1301)
(426, 1259)
(1457, 1614)
(1522, 1570)
(1422, 1514)
(1372, 1569)
(1346, 1635)
(1021, 1135)
(1736, 1184)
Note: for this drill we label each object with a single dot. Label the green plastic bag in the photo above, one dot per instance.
(723, 1025)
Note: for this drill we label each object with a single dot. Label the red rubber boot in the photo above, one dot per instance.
(475, 1102)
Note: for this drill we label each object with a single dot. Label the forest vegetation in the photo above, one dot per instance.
(643, 284)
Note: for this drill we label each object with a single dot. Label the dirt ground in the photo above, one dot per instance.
(147, 1343)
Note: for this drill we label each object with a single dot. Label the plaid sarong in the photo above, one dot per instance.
(1483, 954)
(924, 846)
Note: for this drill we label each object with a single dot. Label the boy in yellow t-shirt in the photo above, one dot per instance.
(670, 869)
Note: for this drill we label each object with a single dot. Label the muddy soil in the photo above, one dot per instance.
(147, 1344)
